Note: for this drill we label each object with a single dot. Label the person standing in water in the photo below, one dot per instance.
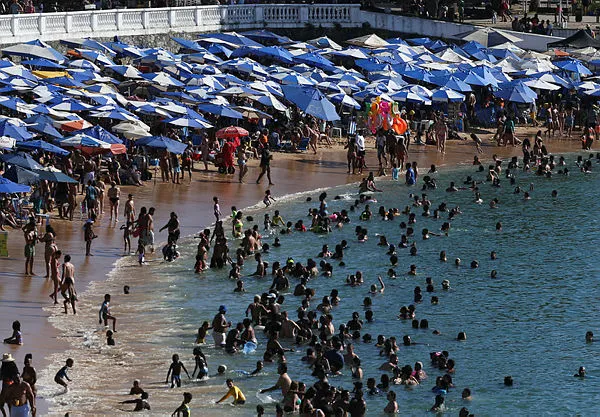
(184, 409)
(67, 285)
(235, 392)
(129, 213)
(104, 313)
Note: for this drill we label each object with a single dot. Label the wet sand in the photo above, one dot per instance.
(26, 299)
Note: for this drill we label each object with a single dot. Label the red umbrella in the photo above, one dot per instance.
(232, 132)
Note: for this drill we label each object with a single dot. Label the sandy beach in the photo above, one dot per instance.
(24, 298)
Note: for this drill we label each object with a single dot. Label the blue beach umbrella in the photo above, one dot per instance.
(265, 36)
(43, 126)
(21, 175)
(163, 79)
(311, 101)
(65, 82)
(452, 83)
(102, 134)
(188, 122)
(16, 132)
(95, 56)
(419, 41)
(22, 160)
(222, 111)
(345, 100)
(52, 175)
(42, 145)
(472, 46)
(408, 96)
(42, 63)
(517, 93)
(446, 95)
(188, 44)
(573, 65)
(315, 60)
(9, 187)
(276, 53)
(29, 50)
(232, 37)
(162, 142)
(88, 43)
(243, 51)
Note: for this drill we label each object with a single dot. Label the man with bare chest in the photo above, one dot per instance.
(20, 399)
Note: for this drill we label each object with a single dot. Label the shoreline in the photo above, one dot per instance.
(42, 338)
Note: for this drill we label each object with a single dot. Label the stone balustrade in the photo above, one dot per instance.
(132, 22)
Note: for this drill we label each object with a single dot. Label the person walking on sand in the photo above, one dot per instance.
(216, 209)
(49, 240)
(30, 234)
(104, 313)
(67, 285)
(265, 165)
(54, 273)
(184, 409)
(89, 234)
(441, 134)
(114, 194)
(61, 376)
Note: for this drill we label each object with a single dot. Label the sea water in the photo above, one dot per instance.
(529, 322)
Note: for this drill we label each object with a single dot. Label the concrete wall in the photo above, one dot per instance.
(441, 29)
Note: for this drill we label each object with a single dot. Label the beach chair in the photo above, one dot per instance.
(303, 145)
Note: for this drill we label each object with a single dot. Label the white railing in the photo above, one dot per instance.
(132, 22)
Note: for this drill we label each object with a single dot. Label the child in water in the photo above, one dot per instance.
(61, 377)
(268, 198)
(395, 172)
(202, 332)
(127, 230)
(175, 372)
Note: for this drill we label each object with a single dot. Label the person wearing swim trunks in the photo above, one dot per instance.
(184, 409)
(61, 376)
(114, 194)
(220, 326)
(20, 398)
(235, 392)
(175, 372)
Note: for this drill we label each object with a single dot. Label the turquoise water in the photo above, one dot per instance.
(529, 322)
